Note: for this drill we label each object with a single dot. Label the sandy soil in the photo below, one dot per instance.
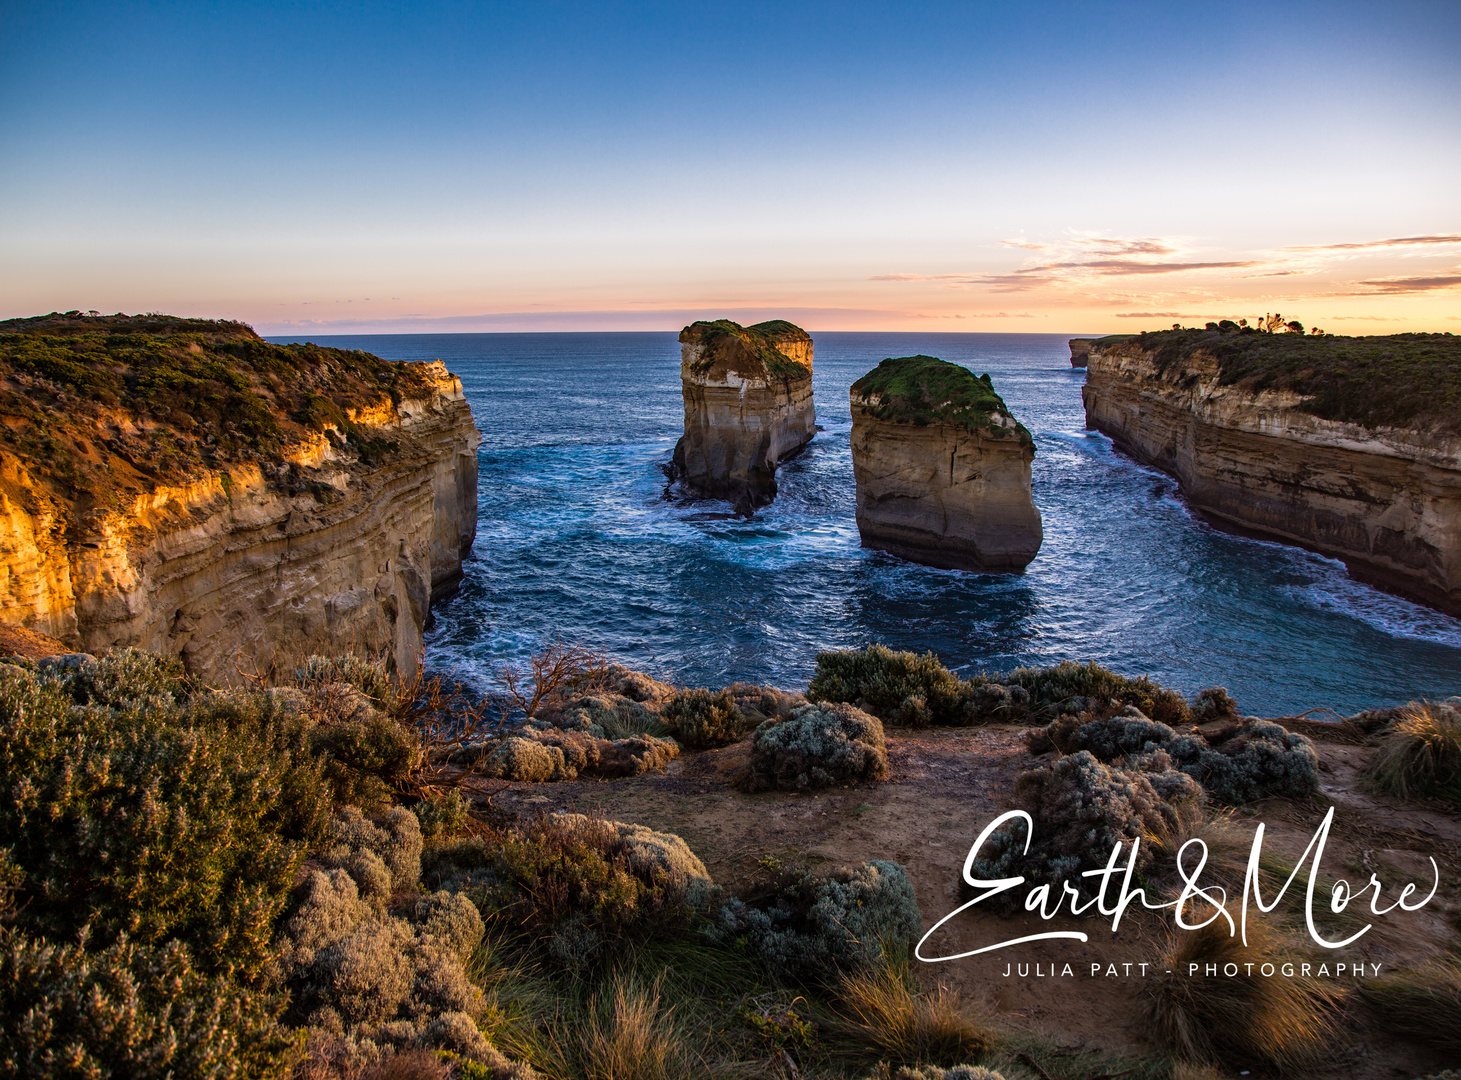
(945, 785)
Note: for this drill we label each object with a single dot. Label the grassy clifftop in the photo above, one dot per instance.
(923, 390)
(746, 350)
(111, 403)
(1400, 380)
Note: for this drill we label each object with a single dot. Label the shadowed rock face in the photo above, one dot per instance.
(1079, 349)
(748, 407)
(1385, 499)
(329, 539)
(942, 468)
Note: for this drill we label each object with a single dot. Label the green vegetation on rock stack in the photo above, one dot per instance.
(198, 393)
(730, 343)
(923, 390)
(1398, 380)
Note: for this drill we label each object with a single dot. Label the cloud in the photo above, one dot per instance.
(1400, 241)
(916, 277)
(1149, 246)
(1026, 244)
(1129, 266)
(1401, 285)
(1157, 315)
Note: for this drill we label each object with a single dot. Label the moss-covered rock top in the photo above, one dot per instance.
(1396, 380)
(104, 404)
(923, 390)
(749, 351)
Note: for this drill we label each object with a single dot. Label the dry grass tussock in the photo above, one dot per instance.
(880, 1015)
(1282, 1022)
(1421, 1006)
(1420, 755)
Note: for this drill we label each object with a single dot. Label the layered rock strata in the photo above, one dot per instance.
(748, 407)
(240, 532)
(1236, 420)
(942, 468)
(1079, 349)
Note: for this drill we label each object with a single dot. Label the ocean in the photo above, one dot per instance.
(576, 541)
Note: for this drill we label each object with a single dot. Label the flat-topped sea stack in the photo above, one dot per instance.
(748, 407)
(1350, 446)
(184, 486)
(942, 468)
(1079, 348)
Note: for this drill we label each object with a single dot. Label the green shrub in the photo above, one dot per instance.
(1420, 753)
(367, 676)
(1072, 687)
(904, 689)
(818, 746)
(442, 815)
(129, 825)
(820, 928)
(575, 882)
(130, 1011)
(699, 719)
(1214, 703)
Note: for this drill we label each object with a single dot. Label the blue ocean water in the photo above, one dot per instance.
(574, 539)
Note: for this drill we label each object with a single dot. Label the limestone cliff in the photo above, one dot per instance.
(942, 468)
(1347, 446)
(748, 407)
(186, 487)
(1079, 350)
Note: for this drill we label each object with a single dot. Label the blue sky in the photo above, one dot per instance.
(498, 166)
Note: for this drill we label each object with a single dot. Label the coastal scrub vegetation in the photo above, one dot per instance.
(923, 390)
(105, 404)
(747, 350)
(1420, 752)
(1403, 380)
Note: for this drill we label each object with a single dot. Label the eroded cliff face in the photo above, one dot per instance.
(748, 407)
(322, 541)
(942, 469)
(1080, 349)
(1386, 500)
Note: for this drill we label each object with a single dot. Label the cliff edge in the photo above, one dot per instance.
(1347, 446)
(942, 468)
(184, 486)
(748, 407)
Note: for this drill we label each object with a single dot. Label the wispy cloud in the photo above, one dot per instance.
(1399, 285)
(1148, 246)
(1026, 244)
(1157, 315)
(1399, 241)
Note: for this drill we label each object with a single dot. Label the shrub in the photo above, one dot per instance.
(607, 716)
(1420, 753)
(540, 755)
(442, 815)
(1082, 809)
(122, 680)
(1420, 1006)
(575, 882)
(904, 689)
(1252, 759)
(1214, 703)
(1285, 1023)
(699, 719)
(367, 676)
(1073, 687)
(127, 824)
(818, 746)
(822, 927)
(129, 1011)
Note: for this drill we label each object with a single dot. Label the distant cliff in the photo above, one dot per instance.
(942, 468)
(1348, 446)
(748, 407)
(184, 486)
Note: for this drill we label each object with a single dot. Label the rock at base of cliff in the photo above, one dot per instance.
(942, 468)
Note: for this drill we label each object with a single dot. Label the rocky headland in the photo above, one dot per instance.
(942, 468)
(184, 486)
(748, 407)
(1347, 446)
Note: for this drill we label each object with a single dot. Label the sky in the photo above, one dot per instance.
(1014, 167)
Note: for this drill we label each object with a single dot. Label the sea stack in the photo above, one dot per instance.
(942, 468)
(1080, 350)
(748, 407)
